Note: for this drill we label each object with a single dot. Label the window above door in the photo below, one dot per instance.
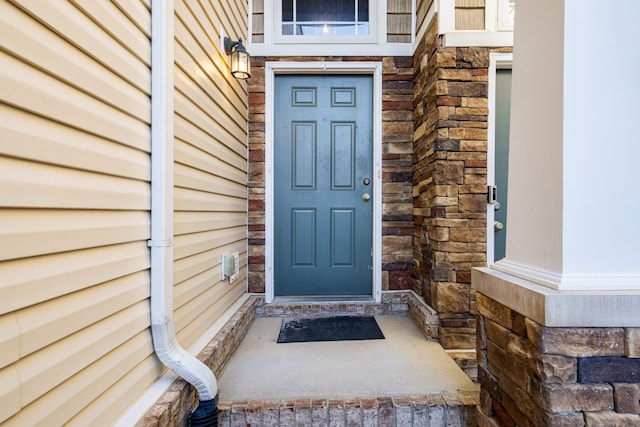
(324, 21)
(325, 18)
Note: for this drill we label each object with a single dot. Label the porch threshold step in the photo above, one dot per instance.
(456, 409)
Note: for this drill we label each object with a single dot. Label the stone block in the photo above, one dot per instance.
(437, 412)
(448, 172)
(556, 369)
(518, 324)
(484, 420)
(402, 410)
(575, 397)
(528, 406)
(469, 89)
(534, 332)
(626, 398)
(515, 412)
(385, 413)
(336, 413)
(485, 402)
(611, 419)
(481, 332)
(453, 74)
(271, 413)
(473, 203)
(608, 369)
(352, 412)
(451, 339)
(497, 334)
(446, 57)
(474, 134)
(450, 101)
(369, 412)
(502, 416)
(287, 413)
(224, 416)
(467, 235)
(583, 342)
(513, 368)
(238, 416)
(489, 383)
(452, 297)
(564, 419)
(420, 410)
(472, 57)
(493, 310)
(455, 411)
(439, 234)
(319, 412)
(302, 412)
(254, 413)
(632, 342)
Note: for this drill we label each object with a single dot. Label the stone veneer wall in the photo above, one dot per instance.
(450, 168)
(397, 148)
(531, 375)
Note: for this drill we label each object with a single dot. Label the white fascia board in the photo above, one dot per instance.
(389, 49)
(478, 38)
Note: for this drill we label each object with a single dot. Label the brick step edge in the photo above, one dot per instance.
(450, 410)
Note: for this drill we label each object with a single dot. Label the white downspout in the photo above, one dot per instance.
(164, 340)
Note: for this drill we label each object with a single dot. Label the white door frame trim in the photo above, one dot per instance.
(370, 68)
(496, 62)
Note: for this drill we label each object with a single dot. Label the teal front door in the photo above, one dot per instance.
(323, 186)
(503, 120)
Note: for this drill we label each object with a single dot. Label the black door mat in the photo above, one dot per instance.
(340, 328)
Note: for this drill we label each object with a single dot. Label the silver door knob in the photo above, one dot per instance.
(497, 226)
(366, 197)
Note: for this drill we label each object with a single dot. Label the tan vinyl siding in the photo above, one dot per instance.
(75, 199)
(399, 21)
(422, 10)
(470, 14)
(74, 211)
(210, 172)
(257, 21)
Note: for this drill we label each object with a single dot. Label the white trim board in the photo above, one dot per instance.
(371, 68)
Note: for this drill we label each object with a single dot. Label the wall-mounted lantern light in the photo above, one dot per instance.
(240, 58)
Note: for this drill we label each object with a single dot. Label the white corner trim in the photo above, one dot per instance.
(431, 13)
(477, 38)
(271, 70)
(446, 16)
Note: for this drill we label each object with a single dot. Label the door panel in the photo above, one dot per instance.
(503, 118)
(323, 167)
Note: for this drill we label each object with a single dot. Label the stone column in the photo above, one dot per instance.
(559, 325)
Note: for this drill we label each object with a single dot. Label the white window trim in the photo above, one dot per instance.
(329, 46)
(489, 37)
(371, 68)
(496, 61)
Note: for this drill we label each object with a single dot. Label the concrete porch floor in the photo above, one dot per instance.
(403, 364)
